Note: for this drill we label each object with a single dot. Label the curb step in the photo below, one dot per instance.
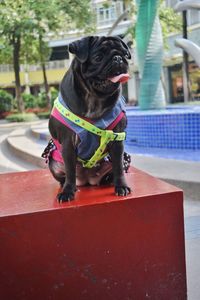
(28, 144)
(11, 163)
(40, 132)
(26, 147)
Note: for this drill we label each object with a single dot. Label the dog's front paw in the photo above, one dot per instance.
(66, 195)
(122, 190)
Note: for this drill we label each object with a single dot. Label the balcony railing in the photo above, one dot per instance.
(50, 65)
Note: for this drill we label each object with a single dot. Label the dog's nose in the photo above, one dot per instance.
(117, 59)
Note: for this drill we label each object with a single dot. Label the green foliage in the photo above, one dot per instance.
(29, 20)
(44, 115)
(30, 101)
(5, 52)
(6, 101)
(171, 22)
(41, 100)
(24, 117)
(54, 94)
(77, 14)
(24, 29)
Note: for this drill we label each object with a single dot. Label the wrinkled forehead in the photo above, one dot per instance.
(106, 44)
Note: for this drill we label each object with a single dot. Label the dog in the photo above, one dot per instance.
(89, 91)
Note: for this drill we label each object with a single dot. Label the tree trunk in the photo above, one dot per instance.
(16, 64)
(46, 86)
(186, 78)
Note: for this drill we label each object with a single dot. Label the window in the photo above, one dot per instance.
(108, 14)
(193, 17)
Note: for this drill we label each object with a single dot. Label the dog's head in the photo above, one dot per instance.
(102, 61)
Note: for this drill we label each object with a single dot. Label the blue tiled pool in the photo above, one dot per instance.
(172, 128)
(171, 133)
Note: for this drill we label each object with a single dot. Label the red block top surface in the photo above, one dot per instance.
(29, 192)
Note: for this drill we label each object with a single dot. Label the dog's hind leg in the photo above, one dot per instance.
(58, 171)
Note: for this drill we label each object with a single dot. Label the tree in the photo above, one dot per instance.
(47, 15)
(15, 21)
(52, 16)
(29, 20)
(170, 21)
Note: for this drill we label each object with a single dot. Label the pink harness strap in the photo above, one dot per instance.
(57, 153)
(55, 113)
(116, 121)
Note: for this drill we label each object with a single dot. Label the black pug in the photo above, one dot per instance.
(91, 90)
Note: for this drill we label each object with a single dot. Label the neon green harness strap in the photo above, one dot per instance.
(106, 135)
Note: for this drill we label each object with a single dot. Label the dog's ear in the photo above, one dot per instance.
(81, 48)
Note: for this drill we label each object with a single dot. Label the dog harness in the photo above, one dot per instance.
(94, 134)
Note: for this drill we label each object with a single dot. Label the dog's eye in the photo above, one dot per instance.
(127, 55)
(98, 58)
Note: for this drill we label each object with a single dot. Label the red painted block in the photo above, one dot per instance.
(99, 246)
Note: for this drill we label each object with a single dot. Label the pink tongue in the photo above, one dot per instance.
(120, 78)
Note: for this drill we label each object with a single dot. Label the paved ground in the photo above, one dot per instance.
(192, 243)
(185, 174)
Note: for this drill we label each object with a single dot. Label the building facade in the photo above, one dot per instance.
(107, 12)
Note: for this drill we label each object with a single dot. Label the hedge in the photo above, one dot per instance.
(6, 101)
(24, 117)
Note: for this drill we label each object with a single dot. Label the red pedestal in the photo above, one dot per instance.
(99, 246)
